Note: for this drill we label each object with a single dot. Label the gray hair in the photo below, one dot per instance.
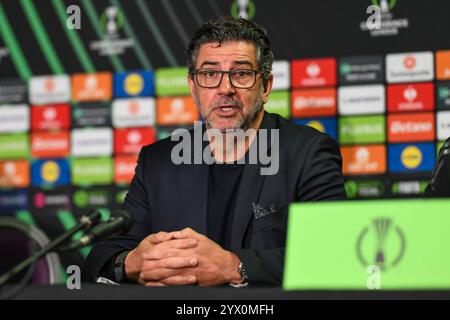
(224, 29)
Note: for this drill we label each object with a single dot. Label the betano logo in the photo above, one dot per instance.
(411, 157)
(50, 144)
(124, 169)
(314, 103)
(411, 127)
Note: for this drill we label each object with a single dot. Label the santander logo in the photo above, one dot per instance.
(133, 107)
(49, 85)
(409, 62)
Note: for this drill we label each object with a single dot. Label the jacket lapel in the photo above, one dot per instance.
(249, 191)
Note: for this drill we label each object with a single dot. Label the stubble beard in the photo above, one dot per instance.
(244, 122)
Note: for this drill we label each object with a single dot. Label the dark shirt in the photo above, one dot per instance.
(222, 193)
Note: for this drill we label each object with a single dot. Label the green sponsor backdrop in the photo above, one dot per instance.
(92, 171)
(278, 103)
(367, 129)
(14, 146)
(171, 81)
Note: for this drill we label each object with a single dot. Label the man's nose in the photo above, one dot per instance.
(225, 86)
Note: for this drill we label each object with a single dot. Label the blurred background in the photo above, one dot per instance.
(84, 84)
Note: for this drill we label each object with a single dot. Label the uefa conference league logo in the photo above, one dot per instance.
(381, 244)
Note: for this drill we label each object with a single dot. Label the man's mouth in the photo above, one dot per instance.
(227, 110)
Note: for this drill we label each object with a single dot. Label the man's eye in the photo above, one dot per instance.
(242, 73)
(210, 73)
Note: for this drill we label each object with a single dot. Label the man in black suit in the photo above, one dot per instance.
(222, 221)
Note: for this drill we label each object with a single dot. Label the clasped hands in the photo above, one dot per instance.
(183, 257)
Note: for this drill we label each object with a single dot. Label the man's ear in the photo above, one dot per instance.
(191, 84)
(267, 88)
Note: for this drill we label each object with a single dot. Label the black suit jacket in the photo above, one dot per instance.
(168, 197)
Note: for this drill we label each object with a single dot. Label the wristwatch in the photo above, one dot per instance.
(119, 266)
(244, 276)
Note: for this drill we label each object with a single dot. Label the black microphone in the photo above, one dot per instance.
(86, 222)
(119, 223)
(440, 178)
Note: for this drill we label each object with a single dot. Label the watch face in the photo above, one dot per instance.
(243, 272)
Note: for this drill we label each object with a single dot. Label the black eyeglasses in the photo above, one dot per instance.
(239, 78)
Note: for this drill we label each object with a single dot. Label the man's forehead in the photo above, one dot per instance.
(227, 51)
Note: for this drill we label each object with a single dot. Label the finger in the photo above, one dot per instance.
(157, 274)
(183, 243)
(179, 280)
(185, 233)
(170, 263)
(170, 249)
(160, 237)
